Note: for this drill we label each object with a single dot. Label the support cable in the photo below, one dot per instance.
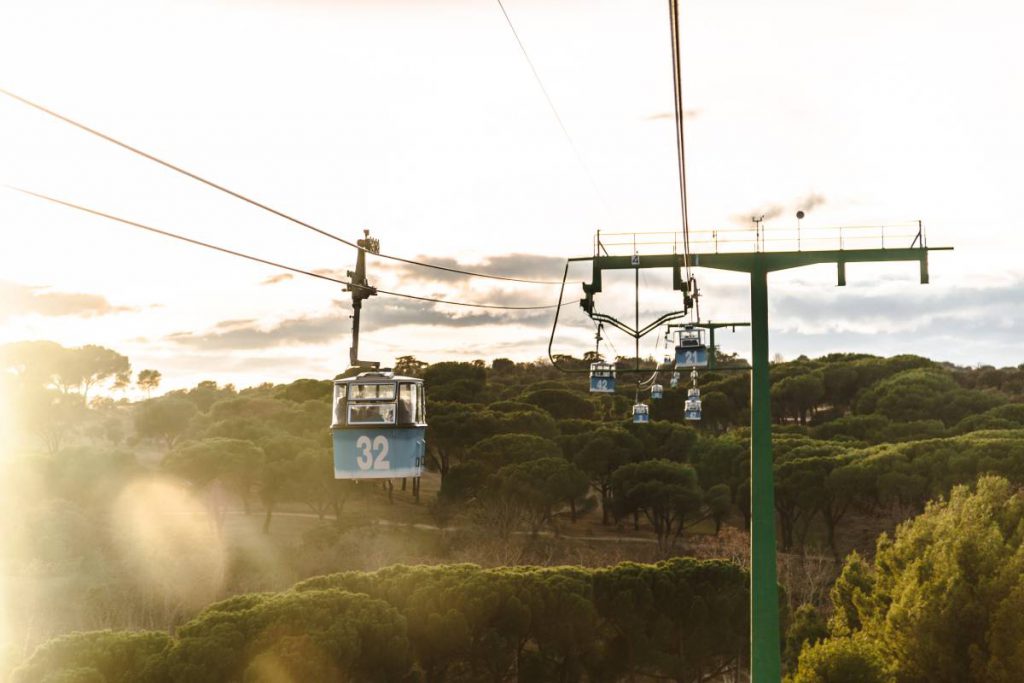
(673, 6)
(268, 262)
(260, 205)
(554, 110)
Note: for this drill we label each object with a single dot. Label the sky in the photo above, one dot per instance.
(422, 122)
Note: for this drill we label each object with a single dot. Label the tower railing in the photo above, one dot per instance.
(764, 239)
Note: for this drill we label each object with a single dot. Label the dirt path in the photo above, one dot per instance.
(430, 527)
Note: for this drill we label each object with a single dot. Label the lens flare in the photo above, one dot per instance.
(169, 541)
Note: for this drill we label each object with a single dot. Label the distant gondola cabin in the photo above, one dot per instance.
(691, 409)
(656, 391)
(379, 427)
(641, 414)
(690, 349)
(602, 378)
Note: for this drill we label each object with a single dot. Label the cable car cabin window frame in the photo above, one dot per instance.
(392, 403)
(340, 404)
(377, 394)
(385, 409)
(411, 404)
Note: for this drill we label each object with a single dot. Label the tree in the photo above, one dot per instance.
(599, 454)
(664, 440)
(807, 627)
(944, 597)
(540, 487)
(148, 381)
(315, 484)
(718, 500)
(500, 450)
(717, 410)
(408, 365)
(50, 415)
(840, 384)
(205, 394)
(798, 394)
(234, 462)
(502, 365)
(666, 492)
(102, 656)
(84, 367)
(315, 635)
(282, 469)
(681, 619)
(561, 404)
(451, 381)
(164, 418)
(845, 485)
(302, 390)
(34, 363)
(842, 660)
(922, 394)
(464, 482)
(799, 485)
(452, 429)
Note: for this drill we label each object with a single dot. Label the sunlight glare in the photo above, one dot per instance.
(170, 541)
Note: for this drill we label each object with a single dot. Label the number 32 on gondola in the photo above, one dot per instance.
(379, 430)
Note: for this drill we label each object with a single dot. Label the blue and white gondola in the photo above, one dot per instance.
(691, 409)
(379, 428)
(602, 378)
(690, 349)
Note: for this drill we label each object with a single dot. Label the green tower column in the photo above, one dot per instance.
(765, 664)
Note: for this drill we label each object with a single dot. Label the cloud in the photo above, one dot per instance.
(526, 266)
(226, 324)
(397, 312)
(773, 211)
(331, 272)
(249, 334)
(811, 201)
(961, 312)
(671, 115)
(767, 212)
(385, 313)
(280, 277)
(17, 299)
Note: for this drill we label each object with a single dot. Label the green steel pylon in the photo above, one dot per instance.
(765, 641)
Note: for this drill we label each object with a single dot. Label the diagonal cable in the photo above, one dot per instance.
(264, 261)
(253, 202)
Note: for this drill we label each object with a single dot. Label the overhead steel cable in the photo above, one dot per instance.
(260, 205)
(268, 262)
(677, 87)
(554, 110)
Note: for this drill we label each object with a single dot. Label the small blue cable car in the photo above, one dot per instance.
(380, 426)
(641, 415)
(674, 382)
(656, 391)
(690, 349)
(602, 378)
(691, 409)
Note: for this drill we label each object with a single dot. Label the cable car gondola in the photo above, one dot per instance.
(656, 391)
(602, 378)
(641, 414)
(691, 409)
(379, 427)
(690, 349)
(674, 382)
